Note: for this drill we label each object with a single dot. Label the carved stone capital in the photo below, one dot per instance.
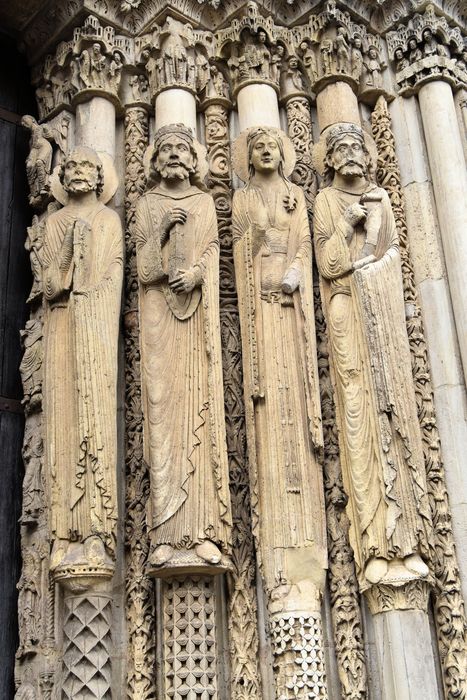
(89, 64)
(412, 595)
(426, 49)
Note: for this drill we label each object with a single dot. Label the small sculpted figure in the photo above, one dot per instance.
(309, 62)
(342, 52)
(356, 58)
(184, 433)
(326, 50)
(401, 61)
(415, 52)
(276, 63)
(39, 161)
(272, 254)
(381, 453)
(82, 278)
(115, 71)
(291, 78)
(97, 64)
(372, 68)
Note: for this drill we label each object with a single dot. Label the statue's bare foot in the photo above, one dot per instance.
(416, 565)
(376, 569)
(162, 555)
(208, 551)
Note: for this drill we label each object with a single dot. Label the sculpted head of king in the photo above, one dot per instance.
(347, 157)
(174, 159)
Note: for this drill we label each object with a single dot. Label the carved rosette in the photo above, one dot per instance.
(140, 604)
(426, 49)
(298, 647)
(242, 606)
(448, 602)
(87, 647)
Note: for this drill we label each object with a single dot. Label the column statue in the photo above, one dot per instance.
(183, 403)
(82, 278)
(273, 263)
(357, 253)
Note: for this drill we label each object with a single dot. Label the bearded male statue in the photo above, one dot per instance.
(183, 403)
(82, 279)
(357, 254)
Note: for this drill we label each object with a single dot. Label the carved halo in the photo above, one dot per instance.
(319, 149)
(110, 181)
(240, 152)
(201, 154)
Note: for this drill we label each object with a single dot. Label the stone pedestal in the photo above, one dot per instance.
(448, 172)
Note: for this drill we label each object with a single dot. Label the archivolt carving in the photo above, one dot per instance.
(449, 605)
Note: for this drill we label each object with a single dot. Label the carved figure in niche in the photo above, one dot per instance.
(97, 66)
(430, 45)
(203, 72)
(29, 612)
(31, 364)
(372, 68)
(139, 88)
(415, 53)
(309, 62)
(256, 59)
(326, 50)
(217, 86)
(401, 61)
(184, 433)
(357, 253)
(39, 161)
(276, 63)
(115, 71)
(34, 247)
(291, 78)
(342, 51)
(272, 254)
(33, 494)
(82, 279)
(356, 58)
(45, 99)
(174, 54)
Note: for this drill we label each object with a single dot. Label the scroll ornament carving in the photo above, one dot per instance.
(242, 606)
(82, 277)
(272, 253)
(140, 601)
(91, 63)
(449, 606)
(358, 259)
(177, 257)
(426, 49)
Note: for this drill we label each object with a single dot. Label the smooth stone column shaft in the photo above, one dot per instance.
(440, 330)
(258, 106)
(95, 125)
(337, 102)
(175, 106)
(448, 172)
(405, 653)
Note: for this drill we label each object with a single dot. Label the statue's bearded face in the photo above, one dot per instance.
(80, 173)
(265, 154)
(174, 159)
(349, 158)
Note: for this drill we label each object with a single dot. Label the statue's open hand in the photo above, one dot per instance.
(177, 215)
(185, 281)
(291, 281)
(355, 213)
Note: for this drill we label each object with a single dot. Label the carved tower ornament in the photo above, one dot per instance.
(380, 443)
(272, 252)
(184, 439)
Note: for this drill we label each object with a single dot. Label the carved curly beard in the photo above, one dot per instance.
(174, 172)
